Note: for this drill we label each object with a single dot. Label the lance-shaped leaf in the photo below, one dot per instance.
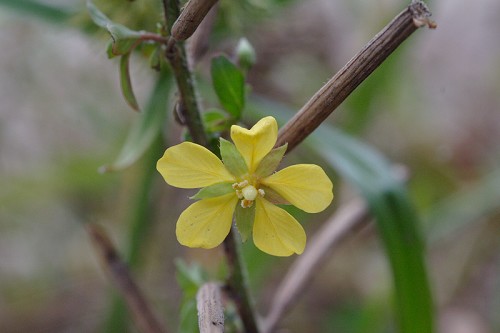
(126, 83)
(144, 131)
(229, 85)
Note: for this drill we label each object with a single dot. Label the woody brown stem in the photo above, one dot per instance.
(336, 90)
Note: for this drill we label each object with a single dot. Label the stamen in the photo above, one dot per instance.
(243, 184)
(246, 203)
(261, 192)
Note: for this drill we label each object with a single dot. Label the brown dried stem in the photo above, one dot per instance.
(336, 90)
(142, 315)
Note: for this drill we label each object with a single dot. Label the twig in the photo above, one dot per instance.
(142, 314)
(190, 18)
(336, 90)
(176, 55)
(237, 284)
(209, 306)
(347, 219)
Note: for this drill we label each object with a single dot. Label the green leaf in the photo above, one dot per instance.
(144, 131)
(216, 121)
(229, 85)
(124, 39)
(244, 221)
(232, 159)
(126, 84)
(396, 217)
(271, 161)
(212, 191)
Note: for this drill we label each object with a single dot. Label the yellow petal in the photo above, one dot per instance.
(206, 222)
(188, 165)
(306, 186)
(277, 232)
(255, 143)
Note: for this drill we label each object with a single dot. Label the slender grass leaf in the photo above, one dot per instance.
(477, 202)
(126, 83)
(146, 128)
(396, 217)
(229, 85)
(40, 9)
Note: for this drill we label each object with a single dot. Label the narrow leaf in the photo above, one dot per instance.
(232, 159)
(126, 83)
(229, 85)
(40, 9)
(144, 131)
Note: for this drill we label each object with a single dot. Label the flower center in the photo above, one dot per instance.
(247, 193)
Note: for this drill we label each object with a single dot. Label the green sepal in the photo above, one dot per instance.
(212, 191)
(126, 83)
(271, 161)
(229, 85)
(273, 197)
(232, 159)
(244, 220)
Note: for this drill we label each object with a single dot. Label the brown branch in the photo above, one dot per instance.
(142, 315)
(336, 90)
(346, 220)
(190, 18)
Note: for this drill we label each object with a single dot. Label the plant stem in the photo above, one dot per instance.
(237, 283)
(176, 53)
(188, 101)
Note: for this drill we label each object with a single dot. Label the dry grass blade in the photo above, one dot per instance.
(142, 314)
(340, 225)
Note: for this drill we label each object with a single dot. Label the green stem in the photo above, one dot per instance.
(188, 102)
(176, 53)
(237, 285)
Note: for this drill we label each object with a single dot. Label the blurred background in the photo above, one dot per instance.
(433, 106)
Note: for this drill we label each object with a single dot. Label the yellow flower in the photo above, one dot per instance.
(245, 182)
